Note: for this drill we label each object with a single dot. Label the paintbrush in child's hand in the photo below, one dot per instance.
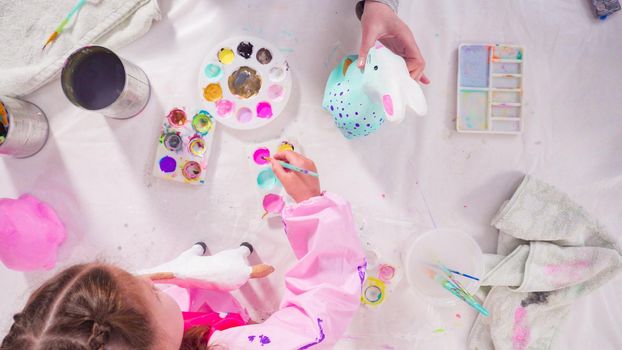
(63, 23)
(294, 168)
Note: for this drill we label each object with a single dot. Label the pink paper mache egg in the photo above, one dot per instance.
(30, 234)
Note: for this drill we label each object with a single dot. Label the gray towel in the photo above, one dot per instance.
(26, 25)
(555, 253)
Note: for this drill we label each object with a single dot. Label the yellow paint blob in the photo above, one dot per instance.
(226, 56)
(285, 146)
(212, 92)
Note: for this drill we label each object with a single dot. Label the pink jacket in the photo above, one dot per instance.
(323, 288)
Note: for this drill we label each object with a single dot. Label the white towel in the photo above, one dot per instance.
(26, 25)
(555, 253)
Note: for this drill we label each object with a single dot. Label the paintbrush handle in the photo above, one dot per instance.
(295, 168)
(453, 289)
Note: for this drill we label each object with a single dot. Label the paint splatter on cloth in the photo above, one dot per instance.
(554, 253)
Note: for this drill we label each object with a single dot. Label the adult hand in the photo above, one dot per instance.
(380, 22)
(299, 186)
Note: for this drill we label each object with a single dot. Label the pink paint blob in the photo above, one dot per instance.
(224, 108)
(264, 110)
(259, 154)
(30, 234)
(386, 273)
(273, 203)
(276, 92)
(520, 333)
(244, 115)
(388, 104)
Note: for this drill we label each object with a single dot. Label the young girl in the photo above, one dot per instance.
(99, 306)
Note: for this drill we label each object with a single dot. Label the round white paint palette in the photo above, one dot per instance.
(244, 82)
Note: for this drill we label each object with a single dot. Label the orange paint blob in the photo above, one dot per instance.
(212, 92)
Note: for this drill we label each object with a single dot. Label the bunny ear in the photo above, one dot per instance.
(415, 98)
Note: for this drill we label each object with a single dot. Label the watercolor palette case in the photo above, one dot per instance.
(184, 146)
(244, 82)
(490, 89)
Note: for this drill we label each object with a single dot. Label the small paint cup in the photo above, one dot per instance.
(24, 128)
(96, 79)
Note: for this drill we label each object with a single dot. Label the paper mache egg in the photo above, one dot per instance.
(30, 234)
(361, 100)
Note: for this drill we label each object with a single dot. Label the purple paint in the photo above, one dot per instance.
(317, 340)
(264, 340)
(251, 338)
(362, 269)
(168, 164)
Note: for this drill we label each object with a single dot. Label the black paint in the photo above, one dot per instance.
(245, 49)
(97, 78)
(535, 298)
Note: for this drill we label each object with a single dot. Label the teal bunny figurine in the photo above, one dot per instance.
(360, 100)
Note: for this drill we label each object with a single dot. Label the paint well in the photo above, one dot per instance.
(266, 179)
(285, 146)
(474, 66)
(192, 170)
(244, 115)
(172, 142)
(264, 110)
(273, 203)
(260, 154)
(245, 49)
(213, 71)
(244, 82)
(276, 92)
(168, 164)
(197, 147)
(264, 56)
(177, 117)
(224, 108)
(277, 74)
(202, 123)
(226, 56)
(212, 92)
(473, 109)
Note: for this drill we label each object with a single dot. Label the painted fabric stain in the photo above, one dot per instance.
(264, 110)
(563, 274)
(319, 339)
(212, 71)
(520, 332)
(263, 339)
(535, 298)
(245, 49)
(212, 92)
(264, 56)
(439, 330)
(168, 164)
(224, 108)
(245, 82)
(226, 56)
(244, 115)
(260, 154)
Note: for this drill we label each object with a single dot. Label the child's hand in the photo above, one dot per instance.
(299, 186)
(380, 22)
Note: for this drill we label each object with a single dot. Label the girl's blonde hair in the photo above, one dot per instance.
(87, 307)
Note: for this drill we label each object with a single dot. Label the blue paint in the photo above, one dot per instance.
(474, 66)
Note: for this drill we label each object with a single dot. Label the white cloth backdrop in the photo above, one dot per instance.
(96, 172)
